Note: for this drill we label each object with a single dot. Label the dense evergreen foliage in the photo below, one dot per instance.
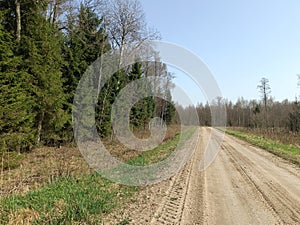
(16, 102)
(45, 48)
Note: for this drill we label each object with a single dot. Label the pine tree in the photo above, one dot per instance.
(265, 90)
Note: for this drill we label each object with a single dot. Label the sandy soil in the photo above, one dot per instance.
(247, 185)
(244, 185)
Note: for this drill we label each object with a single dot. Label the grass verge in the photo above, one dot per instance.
(162, 151)
(78, 199)
(288, 152)
(72, 200)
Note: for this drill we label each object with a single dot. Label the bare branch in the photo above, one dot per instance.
(125, 22)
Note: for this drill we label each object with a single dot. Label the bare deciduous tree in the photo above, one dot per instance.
(125, 23)
(265, 90)
(55, 9)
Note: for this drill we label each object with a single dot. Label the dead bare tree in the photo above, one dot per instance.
(265, 90)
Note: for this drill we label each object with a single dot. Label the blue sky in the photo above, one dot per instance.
(241, 41)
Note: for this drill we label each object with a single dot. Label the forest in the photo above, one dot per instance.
(51, 171)
(45, 48)
(264, 117)
(262, 113)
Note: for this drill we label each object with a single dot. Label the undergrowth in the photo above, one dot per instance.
(79, 199)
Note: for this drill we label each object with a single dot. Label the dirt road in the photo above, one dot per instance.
(247, 185)
(244, 185)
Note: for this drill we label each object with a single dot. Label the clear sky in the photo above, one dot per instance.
(241, 41)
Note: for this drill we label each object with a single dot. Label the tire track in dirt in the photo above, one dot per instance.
(170, 212)
(244, 185)
(284, 206)
(256, 190)
(247, 185)
(181, 194)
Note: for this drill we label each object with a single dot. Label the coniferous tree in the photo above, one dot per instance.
(41, 66)
(41, 52)
(106, 99)
(16, 115)
(170, 109)
(265, 91)
(143, 110)
(85, 41)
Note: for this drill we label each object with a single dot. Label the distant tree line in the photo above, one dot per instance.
(263, 113)
(45, 48)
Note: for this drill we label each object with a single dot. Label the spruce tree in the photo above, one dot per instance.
(170, 109)
(40, 48)
(143, 110)
(106, 99)
(16, 115)
(84, 42)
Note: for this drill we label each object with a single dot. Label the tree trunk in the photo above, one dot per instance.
(100, 69)
(39, 128)
(18, 14)
(55, 13)
(122, 52)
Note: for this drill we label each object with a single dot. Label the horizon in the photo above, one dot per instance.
(239, 42)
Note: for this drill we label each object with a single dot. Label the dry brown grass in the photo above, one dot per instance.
(23, 217)
(124, 154)
(46, 164)
(277, 134)
(40, 166)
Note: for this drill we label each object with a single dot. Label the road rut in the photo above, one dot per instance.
(244, 185)
(247, 185)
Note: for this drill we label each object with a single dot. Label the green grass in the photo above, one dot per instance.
(162, 151)
(78, 199)
(65, 201)
(288, 152)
